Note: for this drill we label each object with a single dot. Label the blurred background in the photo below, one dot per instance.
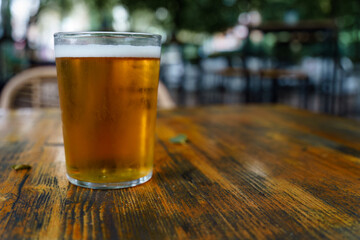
(300, 53)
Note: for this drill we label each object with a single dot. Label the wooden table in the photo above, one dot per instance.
(247, 172)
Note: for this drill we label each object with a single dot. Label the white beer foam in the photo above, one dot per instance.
(95, 50)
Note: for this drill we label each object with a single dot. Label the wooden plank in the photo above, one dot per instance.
(264, 172)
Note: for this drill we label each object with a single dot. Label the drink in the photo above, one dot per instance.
(108, 97)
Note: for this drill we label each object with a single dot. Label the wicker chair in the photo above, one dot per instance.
(37, 88)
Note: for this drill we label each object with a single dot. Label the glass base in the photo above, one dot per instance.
(115, 185)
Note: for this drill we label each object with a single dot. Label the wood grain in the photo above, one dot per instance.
(247, 172)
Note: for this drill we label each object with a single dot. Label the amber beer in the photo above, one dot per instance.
(108, 112)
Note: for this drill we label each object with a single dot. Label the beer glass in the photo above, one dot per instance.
(108, 85)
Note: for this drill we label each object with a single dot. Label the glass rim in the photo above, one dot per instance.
(89, 34)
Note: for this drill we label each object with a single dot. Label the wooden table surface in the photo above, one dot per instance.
(247, 172)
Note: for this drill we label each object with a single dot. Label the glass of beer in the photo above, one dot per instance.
(108, 85)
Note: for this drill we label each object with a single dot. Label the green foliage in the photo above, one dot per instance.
(20, 167)
(201, 15)
(179, 139)
(63, 5)
(217, 15)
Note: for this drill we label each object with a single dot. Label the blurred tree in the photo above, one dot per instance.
(214, 16)
(101, 10)
(307, 9)
(206, 16)
(5, 29)
(202, 15)
(64, 6)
